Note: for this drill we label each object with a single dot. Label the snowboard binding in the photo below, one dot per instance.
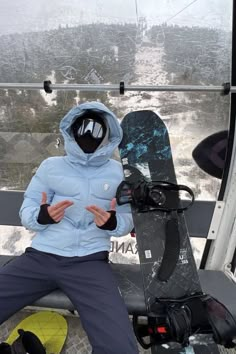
(148, 196)
(175, 320)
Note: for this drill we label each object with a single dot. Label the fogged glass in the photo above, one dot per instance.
(102, 42)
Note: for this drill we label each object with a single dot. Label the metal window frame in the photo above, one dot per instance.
(221, 252)
(224, 89)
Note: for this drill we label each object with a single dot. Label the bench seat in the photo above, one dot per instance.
(215, 283)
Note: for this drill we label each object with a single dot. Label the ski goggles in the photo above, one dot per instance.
(97, 129)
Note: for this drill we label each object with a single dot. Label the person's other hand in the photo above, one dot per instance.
(101, 216)
(56, 211)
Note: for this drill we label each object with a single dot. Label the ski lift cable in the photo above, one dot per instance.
(48, 87)
(179, 12)
(136, 11)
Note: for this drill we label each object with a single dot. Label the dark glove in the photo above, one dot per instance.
(44, 218)
(111, 223)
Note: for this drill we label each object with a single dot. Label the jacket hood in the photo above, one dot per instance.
(104, 152)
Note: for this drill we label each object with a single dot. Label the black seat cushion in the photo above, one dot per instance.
(129, 278)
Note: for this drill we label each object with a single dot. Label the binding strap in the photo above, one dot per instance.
(156, 195)
(172, 249)
(222, 322)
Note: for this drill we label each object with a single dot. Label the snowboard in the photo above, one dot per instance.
(145, 151)
(50, 328)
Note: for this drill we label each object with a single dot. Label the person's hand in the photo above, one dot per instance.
(56, 211)
(101, 216)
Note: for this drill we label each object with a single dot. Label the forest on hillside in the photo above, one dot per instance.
(105, 54)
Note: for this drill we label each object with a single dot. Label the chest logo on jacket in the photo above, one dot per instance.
(106, 187)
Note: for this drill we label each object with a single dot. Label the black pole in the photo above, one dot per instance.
(230, 136)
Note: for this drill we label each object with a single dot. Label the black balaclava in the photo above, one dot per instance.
(89, 131)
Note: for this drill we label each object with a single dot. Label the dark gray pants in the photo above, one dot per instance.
(88, 282)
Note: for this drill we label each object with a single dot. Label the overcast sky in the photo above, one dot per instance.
(27, 15)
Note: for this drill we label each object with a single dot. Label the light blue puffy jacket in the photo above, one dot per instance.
(85, 179)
